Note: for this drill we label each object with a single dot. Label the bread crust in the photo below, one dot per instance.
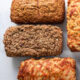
(73, 25)
(48, 69)
(33, 40)
(37, 11)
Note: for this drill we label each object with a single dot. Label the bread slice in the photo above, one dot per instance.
(33, 40)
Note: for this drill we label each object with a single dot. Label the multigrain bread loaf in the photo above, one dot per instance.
(48, 69)
(31, 40)
(73, 24)
(37, 11)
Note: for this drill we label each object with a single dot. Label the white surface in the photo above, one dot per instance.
(9, 66)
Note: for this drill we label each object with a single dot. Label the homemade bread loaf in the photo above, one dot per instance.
(31, 40)
(37, 11)
(73, 25)
(48, 69)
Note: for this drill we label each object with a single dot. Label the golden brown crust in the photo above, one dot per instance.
(48, 69)
(31, 40)
(37, 11)
(73, 25)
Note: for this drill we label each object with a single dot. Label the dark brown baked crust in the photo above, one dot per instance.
(37, 11)
(31, 40)
(48, 69)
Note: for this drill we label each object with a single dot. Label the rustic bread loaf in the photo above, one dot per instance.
(37, 11)
(31, 40)
(48, 69)
(73, 25)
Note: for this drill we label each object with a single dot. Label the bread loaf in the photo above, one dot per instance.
(31, 40)
(37, 11)
(73, 25)
(48, 69)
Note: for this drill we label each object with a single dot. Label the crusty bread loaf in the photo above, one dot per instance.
(73, 24)
(37, 11)
(48, 69)
(31, 40)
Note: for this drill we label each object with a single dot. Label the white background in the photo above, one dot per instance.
(9, 66)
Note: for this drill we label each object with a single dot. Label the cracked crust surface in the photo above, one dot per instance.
(31, 40)
(37, 11)
(48, 69)
(73, 25)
